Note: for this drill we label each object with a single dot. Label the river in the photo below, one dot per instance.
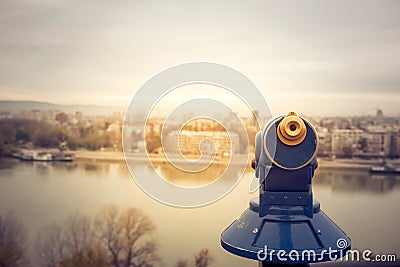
(364, 206)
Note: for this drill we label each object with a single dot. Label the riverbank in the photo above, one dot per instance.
(360, 164)
(118, 156)
(142, 157)
(99, 155)
(348, 164)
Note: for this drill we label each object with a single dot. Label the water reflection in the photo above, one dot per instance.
(356, 181)
(7, 164)
(197, 179)
(90, 167)
(42, 193)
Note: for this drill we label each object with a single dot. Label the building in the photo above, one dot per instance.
(5, 115)
(379, 116)
(190, 142)
(376, 143)
(325, 142)
(40, 115)
(395, 144)
(115, 128)
(345, 142)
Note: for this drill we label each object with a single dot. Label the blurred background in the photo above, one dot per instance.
(69, 69)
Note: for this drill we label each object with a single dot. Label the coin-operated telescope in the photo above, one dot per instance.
(285, 225)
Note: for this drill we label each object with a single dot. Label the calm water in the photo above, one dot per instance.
(365, 206)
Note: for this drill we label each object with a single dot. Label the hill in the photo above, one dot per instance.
(16, 107)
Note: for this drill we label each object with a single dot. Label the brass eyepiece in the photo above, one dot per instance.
(292, 130)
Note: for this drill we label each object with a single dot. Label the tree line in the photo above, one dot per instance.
(19, 132)
(113, 238)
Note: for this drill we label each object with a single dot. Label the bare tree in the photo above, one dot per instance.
(203, 258)
(12, 241)
(120, 239)
(79, 233)
(108, 231)
(182, 263)
(56, 242)
(128, 237)
(95, 256)
(50, 245)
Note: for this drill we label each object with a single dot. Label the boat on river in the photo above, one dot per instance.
(385, 168)
(33, 155)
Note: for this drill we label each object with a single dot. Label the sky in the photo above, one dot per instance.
(316, 57)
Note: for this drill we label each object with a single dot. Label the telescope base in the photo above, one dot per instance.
(286, 236)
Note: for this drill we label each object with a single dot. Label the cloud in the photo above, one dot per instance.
(60, 49)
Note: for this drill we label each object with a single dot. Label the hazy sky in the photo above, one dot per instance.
(318, 57)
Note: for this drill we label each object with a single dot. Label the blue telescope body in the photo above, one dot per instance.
(285, 224)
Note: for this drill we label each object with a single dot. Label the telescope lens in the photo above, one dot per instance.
(292, 130)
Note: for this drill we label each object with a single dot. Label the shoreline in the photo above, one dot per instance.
(118, 156)
(358, 164)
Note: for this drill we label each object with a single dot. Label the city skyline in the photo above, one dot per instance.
(341, 60)
(365, 137)
(14, 108)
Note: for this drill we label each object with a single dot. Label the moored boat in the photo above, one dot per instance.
(63, 156)
(385, 167)
(32, 155)
(42, 156)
